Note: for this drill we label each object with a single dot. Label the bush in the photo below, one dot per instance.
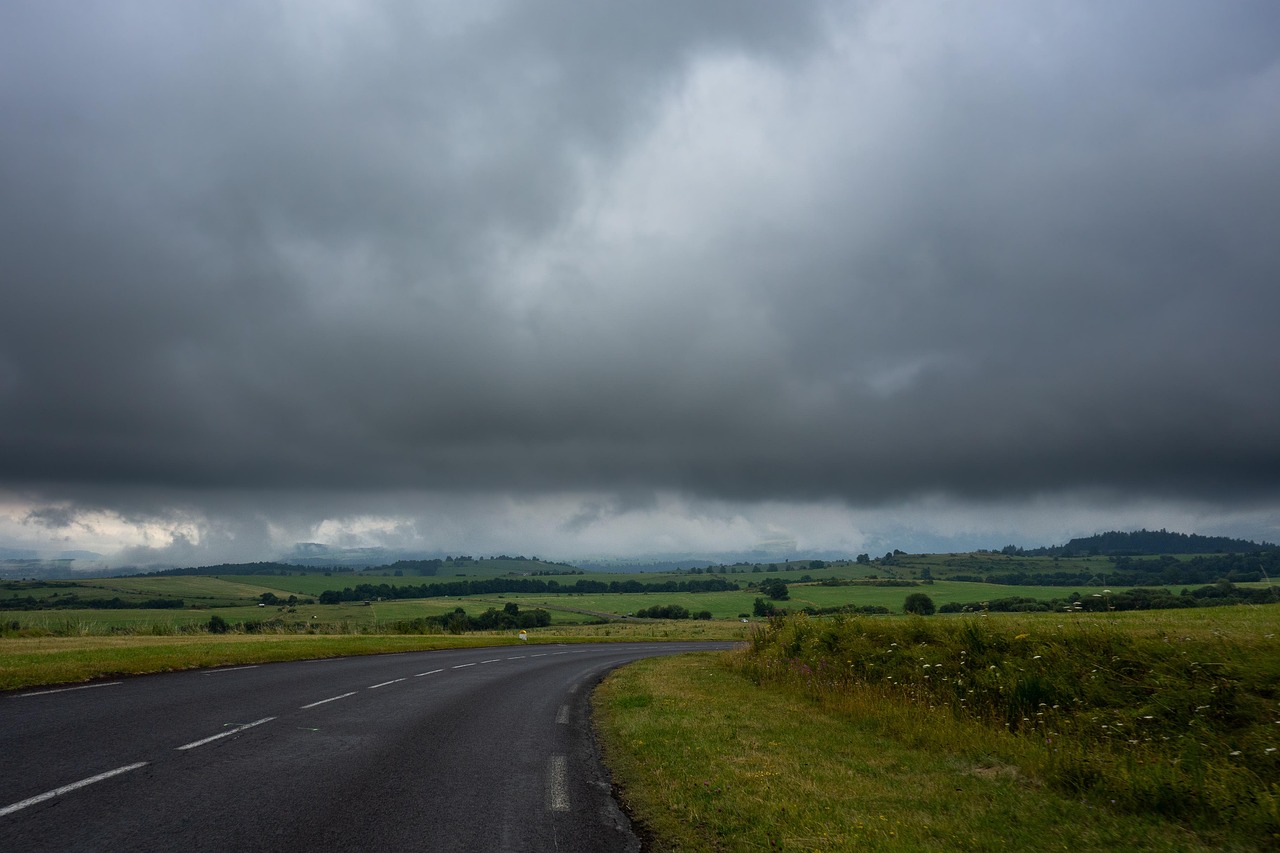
(218, 625)
(919, 604)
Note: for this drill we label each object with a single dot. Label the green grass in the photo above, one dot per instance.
(346, 617)
(1165, 713)
(44, 660)
(707, 760)
(32, 662)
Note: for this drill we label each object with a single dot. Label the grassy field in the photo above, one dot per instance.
(41, 661)
(728, 605)
(709, 761)
(347, 617)
(1137, 731)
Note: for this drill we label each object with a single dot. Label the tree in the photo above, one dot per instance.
(775, 588)
(764, 608)
(919, 604)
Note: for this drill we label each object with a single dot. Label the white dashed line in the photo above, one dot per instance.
(557, 789)
(65, 689)
(330, 699)
(562, 718)
(517, 657)
(237, 729)
(491, 660)
(432, 672)
(539, 655)
(66, 789)
(461, 665)
(230, 669)
(384, 684)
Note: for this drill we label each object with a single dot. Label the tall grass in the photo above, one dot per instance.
(1185, 725)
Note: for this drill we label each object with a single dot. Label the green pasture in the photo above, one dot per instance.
(202, 590)
(728, 605)
(352, 616)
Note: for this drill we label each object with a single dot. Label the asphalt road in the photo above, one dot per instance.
(459, 750)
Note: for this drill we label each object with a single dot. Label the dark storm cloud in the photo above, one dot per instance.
(733, 250)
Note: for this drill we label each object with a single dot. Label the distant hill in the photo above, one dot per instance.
(1150, 542)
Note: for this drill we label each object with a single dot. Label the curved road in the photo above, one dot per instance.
(459, 750)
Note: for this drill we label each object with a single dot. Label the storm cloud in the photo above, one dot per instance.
(268, 265)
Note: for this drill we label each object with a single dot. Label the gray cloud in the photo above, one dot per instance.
(832, 252)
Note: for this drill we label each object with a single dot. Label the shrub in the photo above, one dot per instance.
(919, 604)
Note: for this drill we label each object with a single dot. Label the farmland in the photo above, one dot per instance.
(292, 598)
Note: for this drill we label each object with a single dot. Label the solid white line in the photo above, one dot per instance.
(239, 728)
(330, 699)
(557, 790)
(461, 665)
(384, 684)
(65, 789)
(563, 716)
(230, 669)
(66, 689)
(432, 672)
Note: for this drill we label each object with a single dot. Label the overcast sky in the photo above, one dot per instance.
(582, 279)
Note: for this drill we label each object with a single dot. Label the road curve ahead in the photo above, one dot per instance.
(460, 750)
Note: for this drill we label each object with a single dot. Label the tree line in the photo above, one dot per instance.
(494, 586)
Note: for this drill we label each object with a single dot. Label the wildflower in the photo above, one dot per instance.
(1035, 657)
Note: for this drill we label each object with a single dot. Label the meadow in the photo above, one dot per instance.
(1141, 730)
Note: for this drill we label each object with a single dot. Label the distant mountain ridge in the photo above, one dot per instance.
(1150, 543)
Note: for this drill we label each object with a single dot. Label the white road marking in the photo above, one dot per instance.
(384, 684)
(330, 699)
(563, 716)
(553, 654)
(432, 672)
(65, 789)
(461, 665)
(539, 655)
(230, 669)
(517, 657)
(491, 660)
(227, 733)
(557, 788)
(66, 689)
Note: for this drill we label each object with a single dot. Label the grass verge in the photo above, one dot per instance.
(708, 760)
(42, 661)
